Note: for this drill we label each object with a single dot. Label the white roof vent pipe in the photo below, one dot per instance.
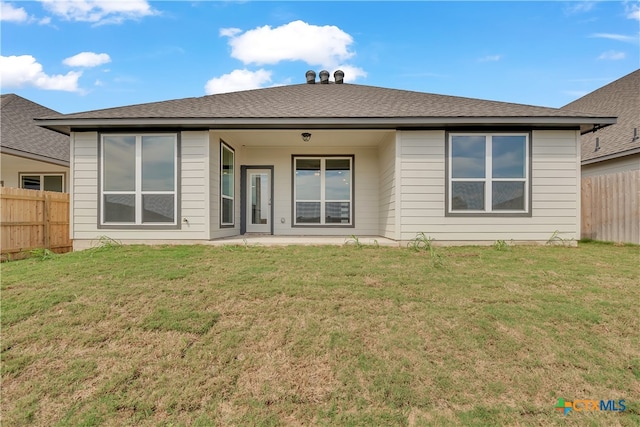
(339, 76)
(311, 77)
(324, 77)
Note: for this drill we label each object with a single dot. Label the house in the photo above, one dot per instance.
(611, 163)
(615, 148)
(325, 158)
(30, 156)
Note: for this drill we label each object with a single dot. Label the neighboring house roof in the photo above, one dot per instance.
(620, 98)
(324, 105)
(21, 136)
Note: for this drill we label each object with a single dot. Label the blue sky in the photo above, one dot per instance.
(80, 55)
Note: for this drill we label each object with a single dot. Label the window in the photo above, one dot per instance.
(139, 179)
(488, 173)
(227, 176)
(323, 191)
(46, 182)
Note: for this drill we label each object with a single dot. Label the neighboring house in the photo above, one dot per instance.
(325, 158)
(615, 148)
(611, 163)
(30, 156)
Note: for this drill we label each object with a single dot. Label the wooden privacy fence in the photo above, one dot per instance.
(31, 219)
(611, 207)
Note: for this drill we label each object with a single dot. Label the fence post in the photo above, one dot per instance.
(47, 221)
(586, 201)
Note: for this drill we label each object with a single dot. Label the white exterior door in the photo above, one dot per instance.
(258, 201)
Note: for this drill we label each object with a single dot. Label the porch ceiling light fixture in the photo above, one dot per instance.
(306, 136)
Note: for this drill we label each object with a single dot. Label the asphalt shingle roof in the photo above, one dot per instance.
(324, 101)
(620, 98)
(20, 133)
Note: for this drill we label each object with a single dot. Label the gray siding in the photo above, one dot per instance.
(194, 196)
(387, 166)
(555, 188)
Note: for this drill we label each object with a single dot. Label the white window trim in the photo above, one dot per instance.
(224, 146)
(323, 201)
(138, 192)
(41, 175)
(488, 179)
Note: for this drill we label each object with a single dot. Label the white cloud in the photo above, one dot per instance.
(490, 58)
(99, 11)
(579, 7)
(576, 93)
(24, 70)
(612, 55)
(45, 21)
(296, 41)
(12, 14)
(87, 59)
(229, 32)
(618, 37)
(238, 80)
(632, 11)
(351, 73)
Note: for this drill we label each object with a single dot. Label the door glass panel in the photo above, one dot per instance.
(259, 198)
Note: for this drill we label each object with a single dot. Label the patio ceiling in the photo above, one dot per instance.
(319, 137)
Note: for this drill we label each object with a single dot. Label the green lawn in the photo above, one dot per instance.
(298, 335)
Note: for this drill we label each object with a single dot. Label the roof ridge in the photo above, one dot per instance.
(10, 97)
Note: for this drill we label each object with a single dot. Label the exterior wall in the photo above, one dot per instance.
(84, 186)
(217, 231)
(194, 196)
(387, 167)
(13, 166)
(365, 186)
(555, 187)
(621, 164)
(399, 190)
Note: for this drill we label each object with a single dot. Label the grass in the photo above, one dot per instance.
(351, 335)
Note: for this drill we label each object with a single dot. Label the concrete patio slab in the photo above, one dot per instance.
(269, 240)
